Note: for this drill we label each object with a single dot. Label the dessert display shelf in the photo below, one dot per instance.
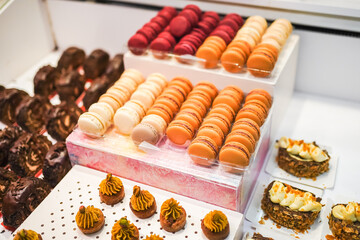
(169, 168)
(80, 187)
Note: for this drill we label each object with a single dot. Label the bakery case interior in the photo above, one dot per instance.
(179, 120)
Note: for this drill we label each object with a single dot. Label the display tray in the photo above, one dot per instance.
(257, 217)
(169, 168)
(324, 181)
(54, 218)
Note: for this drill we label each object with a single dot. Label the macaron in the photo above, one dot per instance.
(247, 124)
(145, 132)
(229, 99)
(138, 44)
(261, 95)
(145, 96)
(225, 110)
(137, 105)
(212, 131)
(196, 105)
(152, 87)
(161, 110)
(157, 78)
(134, 74)
(179, 26)
(235, 90)
(122, 93)
(183, 82)
(201, 96)
(233, 60)
(219, 120)
(92, 124)
(253, 113)
(126, 83)
(113, 101)
(126, 119)
(242, 136)
(207, 87)
(257, 103)
(103, 109)
(209, 56)
(203, 151)
(180, 131)
(177, 92)
(157, 122)
(235, 156)
(170, 101)
(191, 116)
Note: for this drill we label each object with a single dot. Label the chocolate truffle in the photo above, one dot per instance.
(61, 120)
(21, 199)
(70, 85)
(6, 178)
(7, 137)
(31, 114)
(9, 101)
(44, 80)
(98, 87)
(115, 68)
(26, 157)
(95, 64)
(71, 58)
(56, 164)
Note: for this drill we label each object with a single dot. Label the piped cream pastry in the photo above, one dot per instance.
(294, 199)
(172, 216)
(215, 225)
(290, 207)
(27, 235)
(142, 203)
(303, 151)
(89, 219)
(111, 190)
(344, 221)
(124, 230)
(301, 159)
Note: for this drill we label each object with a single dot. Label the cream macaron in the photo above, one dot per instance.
(145, 96)
(103, 109)
(133, 74)
(158, 78)
(92, 124)
(126, 119)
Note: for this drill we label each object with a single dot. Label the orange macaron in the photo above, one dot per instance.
(180, 131)
(242, 136)
(177, 91)
(234, 156)
(201, 96)
(261, 95)
(191, 116)
(228, 97)
(249, 125)
(161, 110)
(253, 112)
(169, 100)
(183, 83)
(203, 150)
(225, 110)
(212, 131)
(195, 104)
(219, 120)
(257, 103)
(207, 87)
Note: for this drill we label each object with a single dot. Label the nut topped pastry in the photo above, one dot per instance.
(290, 207)
(27, 235)
(172, 216)
(302, 159)
(111, 190)
(89, 219)
(344, 221)
(124, 230)
(215, 225)
(142, 203)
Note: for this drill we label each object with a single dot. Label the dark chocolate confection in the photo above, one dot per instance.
(98, 87)
(6, 178)
(57, 164)
(115, 68)
(26, 157)
(2, 88)
(95, 64)
(70, 85)
(71, 59)
(31, 114)
(44, 80)
(21, 199)
(258, 236)
(9, 101)
(61, 120)
(7, 137)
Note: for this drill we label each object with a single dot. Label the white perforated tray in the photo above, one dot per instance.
(54, 218)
